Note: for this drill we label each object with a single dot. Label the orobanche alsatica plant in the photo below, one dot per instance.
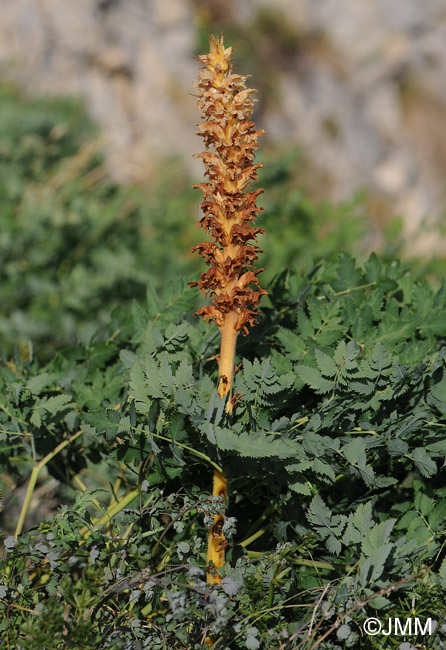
(229, 207)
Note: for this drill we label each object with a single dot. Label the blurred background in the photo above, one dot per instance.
(97, 134)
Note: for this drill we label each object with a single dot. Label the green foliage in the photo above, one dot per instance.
(335, 456)
(299, 228)
(335, 452)
(74, 244)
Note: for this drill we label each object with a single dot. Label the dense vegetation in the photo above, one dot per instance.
(110, 426)
(74, 244)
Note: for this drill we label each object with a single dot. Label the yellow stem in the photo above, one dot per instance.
(216, 539)
(227, 356)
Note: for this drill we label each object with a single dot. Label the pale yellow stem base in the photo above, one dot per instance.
(227, 356)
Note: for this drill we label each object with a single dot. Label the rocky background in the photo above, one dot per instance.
(359, 86)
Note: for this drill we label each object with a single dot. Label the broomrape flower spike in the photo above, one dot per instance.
(229, 209)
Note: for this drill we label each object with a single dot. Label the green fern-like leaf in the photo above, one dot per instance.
(259, 444)
(313, 378)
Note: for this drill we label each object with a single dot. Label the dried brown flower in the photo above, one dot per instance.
(229, 202)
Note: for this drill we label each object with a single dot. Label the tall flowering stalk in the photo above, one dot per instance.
(229, 209)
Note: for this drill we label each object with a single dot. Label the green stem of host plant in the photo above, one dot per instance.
(193, 451)
(111, 512)
(35, 475)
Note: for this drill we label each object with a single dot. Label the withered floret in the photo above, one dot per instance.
(229, 206)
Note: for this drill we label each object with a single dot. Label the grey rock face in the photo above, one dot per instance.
(130, 59)
(369, 105)
(381, 90)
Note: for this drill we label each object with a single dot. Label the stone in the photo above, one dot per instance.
(364, 94)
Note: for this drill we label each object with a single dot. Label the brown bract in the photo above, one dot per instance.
(229, 202)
